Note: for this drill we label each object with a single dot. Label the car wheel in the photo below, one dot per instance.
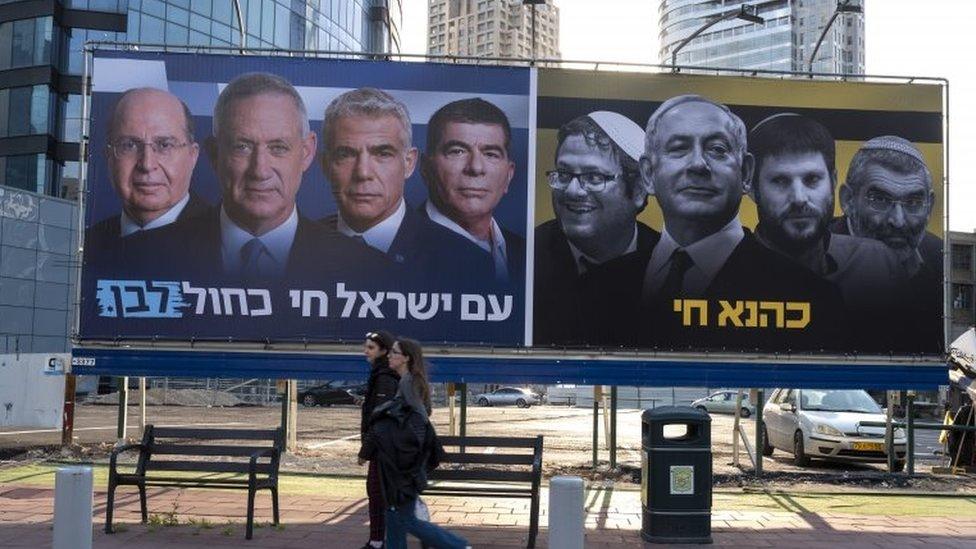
(744, 412)
(800, 458)
(308, 401)
(483, 402)
(767, 448)
(521, 403)
(899, 466)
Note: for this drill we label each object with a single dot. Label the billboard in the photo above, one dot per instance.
(299, 200)
(273, 199)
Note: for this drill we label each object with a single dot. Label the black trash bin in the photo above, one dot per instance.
(676, 475)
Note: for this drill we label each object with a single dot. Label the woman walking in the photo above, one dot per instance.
(403, 442)
(381, 387)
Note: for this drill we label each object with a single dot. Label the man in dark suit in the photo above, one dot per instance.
(696, 165)
(888, 197)
(589, 261)
(151, 153)
(467, 170)
(261, 147)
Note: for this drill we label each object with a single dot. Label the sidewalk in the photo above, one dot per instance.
(211, 518)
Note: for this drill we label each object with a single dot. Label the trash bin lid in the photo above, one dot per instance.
(669, 414)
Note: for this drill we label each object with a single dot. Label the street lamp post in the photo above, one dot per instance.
(533, 4)
(843, 6)
(745, 12)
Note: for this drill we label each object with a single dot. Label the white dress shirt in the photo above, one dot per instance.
(381, 235)
(579, 256)
(277, 243)
(708, 256)
(129, 226)
(494, 246)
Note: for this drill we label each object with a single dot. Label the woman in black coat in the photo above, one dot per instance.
(381, 387)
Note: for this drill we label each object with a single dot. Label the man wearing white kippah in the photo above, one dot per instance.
(595, 248)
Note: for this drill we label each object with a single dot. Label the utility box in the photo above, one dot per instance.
(676, 475)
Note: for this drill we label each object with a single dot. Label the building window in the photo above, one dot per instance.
(962, 296)
(962, 257)
(26, 43)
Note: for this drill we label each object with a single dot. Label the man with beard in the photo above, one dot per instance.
(888, 197)
(589, 260)
(794, 194)
(696, 165)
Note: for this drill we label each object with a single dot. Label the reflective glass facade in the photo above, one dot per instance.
(42, 59)
(37, 234)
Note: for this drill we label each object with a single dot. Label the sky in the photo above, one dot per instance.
(902, 37)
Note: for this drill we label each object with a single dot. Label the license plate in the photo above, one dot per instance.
(869, 446)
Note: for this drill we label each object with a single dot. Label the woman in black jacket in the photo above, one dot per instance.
(403, 442)
(381, 387)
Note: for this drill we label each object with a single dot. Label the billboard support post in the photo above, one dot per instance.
(451, 410)
(463, 429)
(889, 430)
(123, 418)
(910, 450)
(142, 405)
(597, 396)
(760, 398)
(68, 417)
(613, 426)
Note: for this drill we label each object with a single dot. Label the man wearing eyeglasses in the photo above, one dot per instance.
(888, 196)
(151, 154)
(794, 194)
(696, 165)
(589, 259)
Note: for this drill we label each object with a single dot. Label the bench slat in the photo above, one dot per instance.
(491, 459)
(480, 474)
(215, 434)
(206, 450)
(501, 442)
(207, 466)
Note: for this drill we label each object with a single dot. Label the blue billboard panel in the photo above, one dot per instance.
(278, 199)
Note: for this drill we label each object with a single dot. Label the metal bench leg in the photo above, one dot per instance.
(142, 503)
(110, 505)
(533, 520)
(274, 503)
(250, 513)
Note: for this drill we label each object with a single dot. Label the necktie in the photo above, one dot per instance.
(586, 265)
(680, 263)
(251, 254)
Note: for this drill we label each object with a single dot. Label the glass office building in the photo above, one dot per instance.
(41, 64)
(784, 41)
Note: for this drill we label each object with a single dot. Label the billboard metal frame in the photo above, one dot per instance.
(129, 357)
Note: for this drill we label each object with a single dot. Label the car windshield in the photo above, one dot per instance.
(838, 401)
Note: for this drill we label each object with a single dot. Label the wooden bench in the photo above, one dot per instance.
(467, 473)
(177, 444)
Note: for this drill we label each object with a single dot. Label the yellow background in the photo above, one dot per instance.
(788, 94)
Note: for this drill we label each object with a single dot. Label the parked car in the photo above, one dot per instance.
(332, 392)
(826, 424)
(724, 402)
(523, 398)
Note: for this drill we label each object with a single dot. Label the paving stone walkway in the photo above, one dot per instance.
(213, 519)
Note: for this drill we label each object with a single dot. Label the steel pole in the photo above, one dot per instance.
(613, 426)
(760, 397)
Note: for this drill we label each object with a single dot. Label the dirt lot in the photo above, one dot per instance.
(329, 439)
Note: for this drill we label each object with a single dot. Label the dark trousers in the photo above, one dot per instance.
(377, 509)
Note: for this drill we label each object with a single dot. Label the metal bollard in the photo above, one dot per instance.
(73, 508)
(566, 514)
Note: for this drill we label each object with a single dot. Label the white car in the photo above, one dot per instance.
(523, 398)
(826, 424)
(724, 402)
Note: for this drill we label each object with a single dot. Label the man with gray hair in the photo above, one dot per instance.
(888, 196)
(696, 164)
(260, 149)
